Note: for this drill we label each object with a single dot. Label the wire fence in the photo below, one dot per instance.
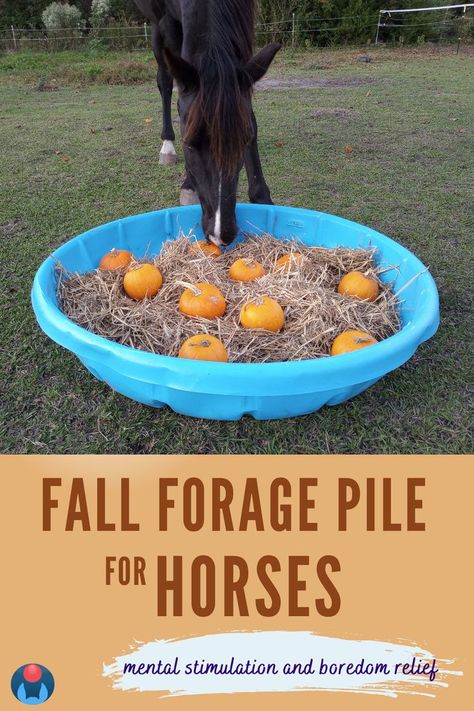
(295, 32)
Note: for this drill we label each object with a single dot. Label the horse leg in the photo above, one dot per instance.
(258, 188)
(188, 195)
(164, 81)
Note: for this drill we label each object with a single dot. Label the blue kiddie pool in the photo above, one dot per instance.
(227, 391)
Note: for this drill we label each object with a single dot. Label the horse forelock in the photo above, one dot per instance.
(222, 106)
(222, 110)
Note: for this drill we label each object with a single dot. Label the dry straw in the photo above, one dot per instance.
(315, 313)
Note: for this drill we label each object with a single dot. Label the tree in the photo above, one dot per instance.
(27, 13)
(22, 13)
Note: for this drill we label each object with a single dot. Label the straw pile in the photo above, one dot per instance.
(315, 313)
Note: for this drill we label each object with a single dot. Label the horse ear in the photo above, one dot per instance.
(184, 72)
(257, 67)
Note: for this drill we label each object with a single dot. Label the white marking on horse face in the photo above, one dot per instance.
(217, 221)
(168, 148)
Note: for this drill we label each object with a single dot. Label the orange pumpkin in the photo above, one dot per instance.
(262, 312)
(246, 270)
(142, 282)
(203, 300)
(204, 347)
(288, 261)
(351, 341)
(204, 247)
(358, 286)
(115, 259)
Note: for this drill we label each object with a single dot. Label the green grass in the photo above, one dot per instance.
(409, 123)
(77, 68)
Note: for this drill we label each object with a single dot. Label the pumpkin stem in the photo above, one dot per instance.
(205, 343)
(192, 287)
(135, 266)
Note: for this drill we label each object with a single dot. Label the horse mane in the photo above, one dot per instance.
(220, 107)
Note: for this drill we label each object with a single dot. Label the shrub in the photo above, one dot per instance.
(61, 15)
(100, 12)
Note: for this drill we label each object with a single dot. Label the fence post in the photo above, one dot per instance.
(378, 28)
(146, 33)
(14, 38)
(293, 28)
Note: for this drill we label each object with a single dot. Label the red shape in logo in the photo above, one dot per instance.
(32, 673)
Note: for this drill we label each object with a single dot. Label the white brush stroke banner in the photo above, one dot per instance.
(251, 649)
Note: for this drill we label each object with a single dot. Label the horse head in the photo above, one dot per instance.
(215, 108)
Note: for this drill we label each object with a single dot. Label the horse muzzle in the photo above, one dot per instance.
(220, 233)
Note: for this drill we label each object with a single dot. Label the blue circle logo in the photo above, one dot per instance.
(32, 684)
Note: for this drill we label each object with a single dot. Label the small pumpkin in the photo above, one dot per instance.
(351, 340)
(246, 270)
(203, 300)
(262, 312)
(358, 286)
(204, 247)
(142, 282)
(203, 347)
(115, 259)
(288, 261)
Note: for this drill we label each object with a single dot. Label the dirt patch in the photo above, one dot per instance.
(316, 66)
(45, 85)
(11, 227)
(313, 83)
(335, 113)
(109, 152)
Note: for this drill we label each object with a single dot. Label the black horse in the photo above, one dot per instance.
(207, 45)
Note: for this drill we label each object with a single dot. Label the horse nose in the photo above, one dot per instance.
(224, 239)
(215, 240)
(221, 234)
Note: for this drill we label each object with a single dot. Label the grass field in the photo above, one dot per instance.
(76, 152)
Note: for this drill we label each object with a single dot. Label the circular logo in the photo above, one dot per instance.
(32, 684)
